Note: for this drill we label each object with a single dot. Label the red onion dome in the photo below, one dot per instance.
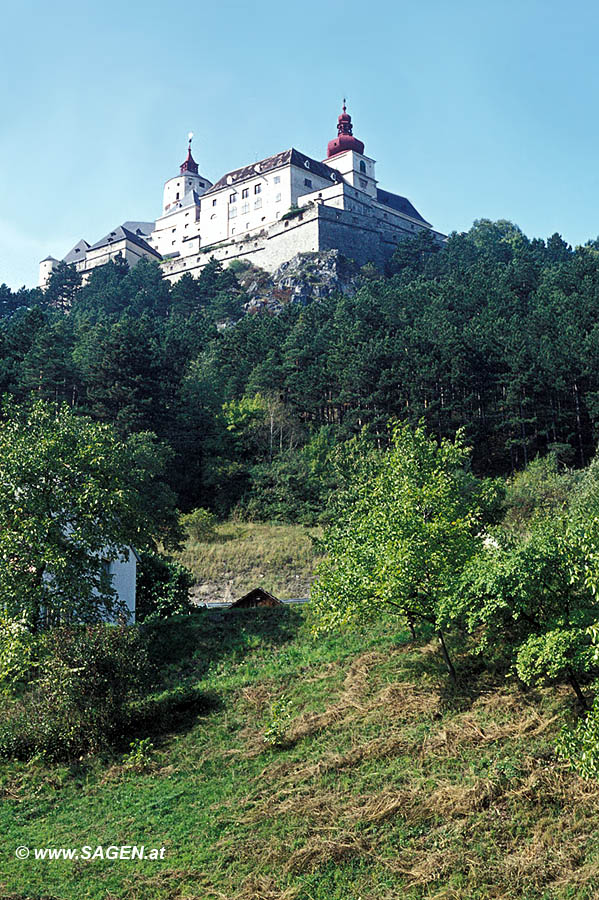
(345, 139)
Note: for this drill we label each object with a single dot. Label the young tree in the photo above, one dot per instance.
(529, 592)
(72, 496)
(402, 538)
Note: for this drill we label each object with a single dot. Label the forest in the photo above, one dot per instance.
(495, 333)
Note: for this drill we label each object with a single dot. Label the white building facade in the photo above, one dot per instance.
(265, 213)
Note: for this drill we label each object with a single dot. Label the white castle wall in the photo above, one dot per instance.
(316, 227)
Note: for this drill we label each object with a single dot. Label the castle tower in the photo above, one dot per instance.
(47, 266)
(178, 191)
(346, 154)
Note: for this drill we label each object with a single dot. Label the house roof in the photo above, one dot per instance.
(49, 259)
(77, 252)
(399, 204)
(121, 233)
(141, 229)
(257, 597)
(287, 157)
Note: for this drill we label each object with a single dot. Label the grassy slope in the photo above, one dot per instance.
(279, 558)
(391, 784)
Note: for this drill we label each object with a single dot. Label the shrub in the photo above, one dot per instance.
(200, 524)
(80, 703)
(579, 745)
(280, 717)
(139, 757)
(162, 588)
(17, 654)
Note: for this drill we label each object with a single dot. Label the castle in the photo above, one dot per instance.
(265, 213)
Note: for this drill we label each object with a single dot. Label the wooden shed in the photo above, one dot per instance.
(257, 597)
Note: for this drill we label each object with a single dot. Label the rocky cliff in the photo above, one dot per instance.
(305, 277)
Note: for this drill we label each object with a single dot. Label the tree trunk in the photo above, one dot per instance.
(411, 627)
(446, 657)
(576, 687)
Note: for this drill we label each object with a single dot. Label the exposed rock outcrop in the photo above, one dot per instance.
(305, 277)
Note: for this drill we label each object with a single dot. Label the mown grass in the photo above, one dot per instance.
(245, 555)
(390, 783)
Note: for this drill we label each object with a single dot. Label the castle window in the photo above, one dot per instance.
(214, 202)
(277, 179)
(177, 197)
(307, 182)
(278, 198)
(247, 225)
(245, 193)
(232, 212)
(257, 189)
(258, 203)
(233, 198)
(245, 207)
(202, 184)
(362, 166)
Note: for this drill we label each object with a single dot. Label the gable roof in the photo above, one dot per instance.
(287, 157)
(257, 597)
(121, 233)
(77, 252)
(399, 204)
(141, 229)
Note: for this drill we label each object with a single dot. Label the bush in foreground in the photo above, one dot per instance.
(89, 676)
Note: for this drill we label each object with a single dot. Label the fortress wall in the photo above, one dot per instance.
(318, 227)
(267, 249)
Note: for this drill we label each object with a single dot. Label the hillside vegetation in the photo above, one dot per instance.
(387, 781)
(244, 555)
(495, 333)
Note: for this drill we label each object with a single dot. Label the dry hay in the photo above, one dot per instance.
(405, 701)
(261, 887)
(378, 748)
(466, 730)
(257, 696)
(319, 850)
(257, 887)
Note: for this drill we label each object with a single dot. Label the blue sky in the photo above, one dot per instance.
(471, 109)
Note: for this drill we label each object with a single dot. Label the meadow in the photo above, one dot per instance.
(384, 780)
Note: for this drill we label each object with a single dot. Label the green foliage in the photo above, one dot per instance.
(278, 722)
(72, 496)
(579, 744)
(404, 537)
(17, 654)
(88, 676)
(539, 489)
(140, 755)
(529, 592)
(200, 524)
(163, 587)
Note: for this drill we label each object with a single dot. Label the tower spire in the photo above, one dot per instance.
(190, 165)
